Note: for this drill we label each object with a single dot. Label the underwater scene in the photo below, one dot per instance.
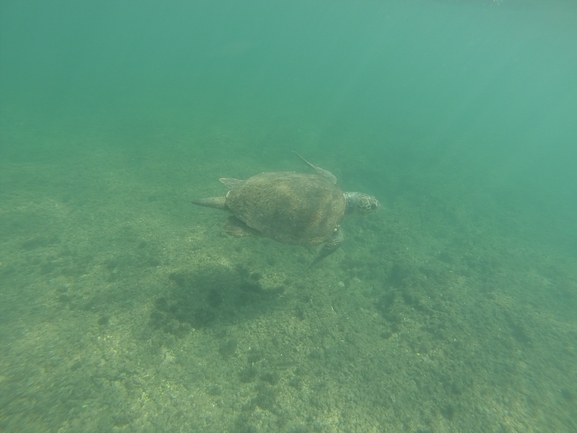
(387, 233)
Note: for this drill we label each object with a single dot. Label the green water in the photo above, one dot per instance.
(125, 308)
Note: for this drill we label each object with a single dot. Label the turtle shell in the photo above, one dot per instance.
(292, 208)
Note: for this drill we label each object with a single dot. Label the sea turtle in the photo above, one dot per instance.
(289, 207)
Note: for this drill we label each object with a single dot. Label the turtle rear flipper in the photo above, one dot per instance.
(231, 182)
(329, 247)
(237, 228)
(215, 202)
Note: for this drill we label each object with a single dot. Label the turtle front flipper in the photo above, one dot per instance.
(329, 247)
(320, 171)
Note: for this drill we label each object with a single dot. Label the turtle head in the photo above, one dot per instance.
(361, 204)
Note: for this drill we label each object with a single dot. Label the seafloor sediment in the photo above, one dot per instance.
(125, 308)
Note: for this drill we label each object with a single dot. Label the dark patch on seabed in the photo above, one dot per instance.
(212, 295)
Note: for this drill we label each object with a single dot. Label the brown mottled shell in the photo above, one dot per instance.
(293, 208)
